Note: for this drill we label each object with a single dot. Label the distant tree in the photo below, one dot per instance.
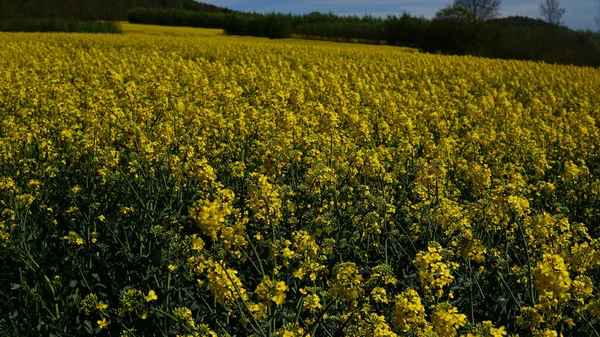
(481, 9)
(455, 13)
(597, 19)
(596, 36)
(453, 30)
(552, 12)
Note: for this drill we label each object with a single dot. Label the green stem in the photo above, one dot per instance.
(531, 290)
(257, 326)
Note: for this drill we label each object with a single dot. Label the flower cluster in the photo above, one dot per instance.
(434, 271)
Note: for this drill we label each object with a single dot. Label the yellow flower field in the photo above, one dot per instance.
(194, 184)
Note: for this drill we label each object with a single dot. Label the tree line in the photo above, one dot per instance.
(59, 25)
(454, 30)
(111, 10)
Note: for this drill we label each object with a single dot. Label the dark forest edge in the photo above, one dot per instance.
(90, 16)
(92, 10)
(59, 25)
(518, 38)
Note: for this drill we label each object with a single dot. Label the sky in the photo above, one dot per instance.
(580, 13)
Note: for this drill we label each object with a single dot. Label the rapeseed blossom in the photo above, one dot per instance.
(151, 296)
(409, 312)
(446, 319)
(270, 290)
(347, 280)
(285, 187)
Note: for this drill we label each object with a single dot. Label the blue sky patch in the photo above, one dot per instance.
(579, 15)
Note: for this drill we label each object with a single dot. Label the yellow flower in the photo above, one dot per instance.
(151, 296)
(101, 306)
(74, 238)
(183, 316)
(551, 275)
(379, 295)
(287, 253)
(102, 323)
(497, 332)
(144, 315)
(434, 271)
(446, 319)
(409, 312)
(312, 303)
(347, 279)
(291, 330)
(299, 273)
(226, 286)
(197, 244)
(269, 290)
(528, 317)
(126, 210)
(545, 333)
(130, 299)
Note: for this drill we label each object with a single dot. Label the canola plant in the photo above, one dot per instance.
(223, 186)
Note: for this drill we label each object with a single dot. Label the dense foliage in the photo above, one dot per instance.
(527, 39)
(177, 17)
(92, 9)
(199, 186)
(59, 25)
(450, 32)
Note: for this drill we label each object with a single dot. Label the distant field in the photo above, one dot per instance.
(131, 28)
(180, 182)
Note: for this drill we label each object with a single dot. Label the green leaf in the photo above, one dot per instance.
(88, 326)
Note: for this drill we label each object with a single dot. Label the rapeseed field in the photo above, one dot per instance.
(204, 185)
